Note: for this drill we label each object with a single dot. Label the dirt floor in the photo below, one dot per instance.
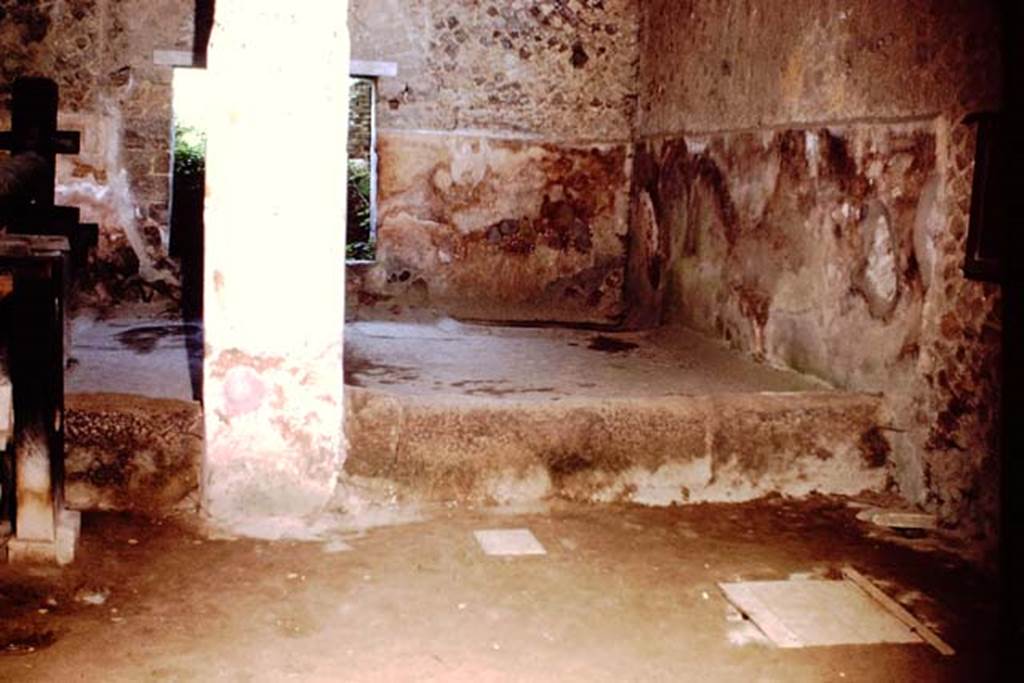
(625, 594)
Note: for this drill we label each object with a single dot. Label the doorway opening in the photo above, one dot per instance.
(188, 185)
(188, 192)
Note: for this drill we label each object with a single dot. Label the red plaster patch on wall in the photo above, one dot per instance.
(243, 391)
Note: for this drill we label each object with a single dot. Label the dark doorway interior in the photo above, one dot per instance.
(187, 207)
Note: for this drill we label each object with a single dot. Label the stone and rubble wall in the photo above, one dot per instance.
(504, 156)
(101, 54)
(802, 190)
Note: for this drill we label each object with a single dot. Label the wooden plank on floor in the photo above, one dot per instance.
(898, 611)
(745, 597)
(816, 613)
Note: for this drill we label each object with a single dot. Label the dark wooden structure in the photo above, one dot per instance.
(38, 247)
(32, 331)
(28, 175)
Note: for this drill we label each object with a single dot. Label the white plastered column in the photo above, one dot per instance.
(274, 281)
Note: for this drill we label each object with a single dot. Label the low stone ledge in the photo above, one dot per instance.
(657, 451)
(129, 452)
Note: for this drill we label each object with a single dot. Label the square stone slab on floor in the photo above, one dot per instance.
(509, 542)
(808, 613)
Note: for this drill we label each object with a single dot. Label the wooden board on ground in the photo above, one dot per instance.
(808, 613)
(898, 611)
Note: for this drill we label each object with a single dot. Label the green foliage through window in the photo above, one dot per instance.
(359, 244)
(189, 151)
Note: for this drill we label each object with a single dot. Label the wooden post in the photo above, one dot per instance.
(274, 260)
(44, 530)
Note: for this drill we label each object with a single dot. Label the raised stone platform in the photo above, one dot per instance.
(134, 434)
(440, 411)
(131, 452)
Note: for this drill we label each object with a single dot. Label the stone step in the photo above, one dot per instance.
(130, 452)
(657, 451)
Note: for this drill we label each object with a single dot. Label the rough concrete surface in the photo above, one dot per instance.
(446, 410)
(623, 594)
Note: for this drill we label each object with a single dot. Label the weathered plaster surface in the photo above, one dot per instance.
(273, 434)
(100, 54)
(781, 242)
(564, 68)
(722, 65)
(274, 306)
(497, 228)
(503, 156)
(802, 189)
(837, 252)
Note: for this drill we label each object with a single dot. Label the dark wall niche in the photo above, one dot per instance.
(984, 260)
